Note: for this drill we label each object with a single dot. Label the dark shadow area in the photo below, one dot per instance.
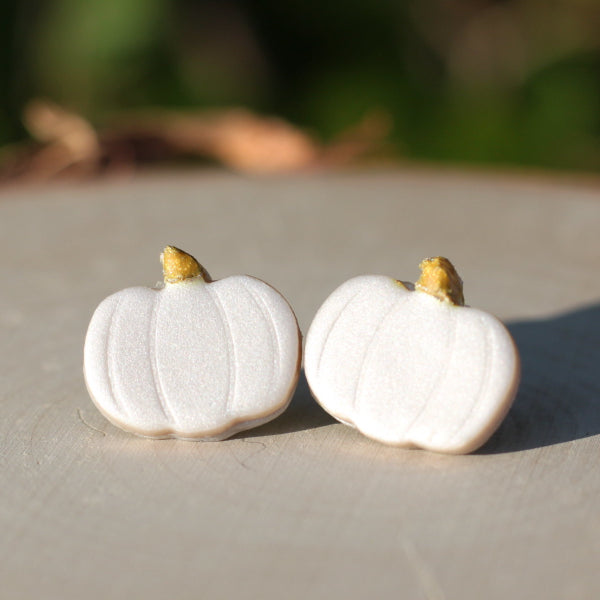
(559, 397)
(303, 413)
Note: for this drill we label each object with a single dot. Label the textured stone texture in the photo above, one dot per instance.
(303, 506)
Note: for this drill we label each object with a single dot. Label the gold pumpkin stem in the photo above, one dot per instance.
(440, 279)
(179, 266)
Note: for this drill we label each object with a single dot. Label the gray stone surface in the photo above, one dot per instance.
(302, 507)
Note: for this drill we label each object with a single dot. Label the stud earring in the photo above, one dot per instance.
(196, 359)
(411, 365)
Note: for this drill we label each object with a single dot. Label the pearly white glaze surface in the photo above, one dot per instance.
(193, 360)
(408, 369)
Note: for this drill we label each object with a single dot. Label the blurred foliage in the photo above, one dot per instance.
(492, 81)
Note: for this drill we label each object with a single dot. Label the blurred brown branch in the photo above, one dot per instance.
(66, 144)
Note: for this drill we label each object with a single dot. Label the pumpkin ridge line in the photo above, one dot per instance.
(441, 375)
(332, 327)
(365, 359)
(483, 384)
(122, 406)
(152, 335)
(275, 341)
(230, 347)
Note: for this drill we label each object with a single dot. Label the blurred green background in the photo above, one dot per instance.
(479, 81)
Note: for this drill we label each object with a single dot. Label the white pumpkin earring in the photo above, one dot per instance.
(196, 359)
(411, 365)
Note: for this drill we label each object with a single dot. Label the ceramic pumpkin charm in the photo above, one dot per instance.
(196, 359)
(411, 365)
